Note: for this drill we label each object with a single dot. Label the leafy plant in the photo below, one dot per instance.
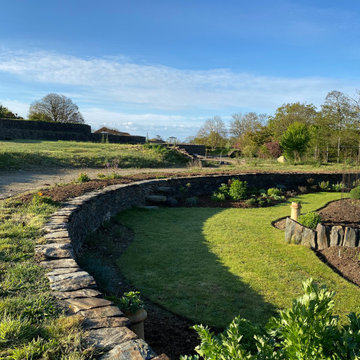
(216, 196)
(39, 199)
(130, 302)
(274, 192)
(339, 186)
(224, 189)
(355, 193)
(238, 190)
(83, 177)
(310, 220)
(324, 185)
(307, 330)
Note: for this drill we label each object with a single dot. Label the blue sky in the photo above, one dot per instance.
(164, 67)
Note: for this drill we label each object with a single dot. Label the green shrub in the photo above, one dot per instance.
(337, 187)
(224, 189)
(238, 190)
(251, 202)
(83, 177)
(218, 197)
(310, 220)
(324, 185)
(39, 199)
(355, 193)
(307, 330)
(274, 192)
(130, 302)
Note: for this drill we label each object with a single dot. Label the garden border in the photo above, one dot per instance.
(67, 228)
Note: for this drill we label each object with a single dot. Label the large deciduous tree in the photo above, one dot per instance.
(5, 113)
(57, 108)
(212, 133)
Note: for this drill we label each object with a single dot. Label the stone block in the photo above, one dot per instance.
(156, 198)
(56, 272)
(103, 312)
(323, 236)
(76, 281)
(350, 237)
(336, 236)
(110, 337)
(131, 350)
(76, 305)
(308, 238)
(54, 251)
(58, 264)
(107, 322)
(76, 294)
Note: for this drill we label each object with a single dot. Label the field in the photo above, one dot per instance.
(210, 265)
(27, 154)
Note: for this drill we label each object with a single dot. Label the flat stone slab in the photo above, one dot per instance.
(102, 312)
(56, 272)
(108, 322)
(110, 337)
(54, 251)
(77, 305)
(76, 294)
(156, 198)
(58, 264)
(57, 234)
(323, 236)
(131, 350)
(74, 281)
(164, 189)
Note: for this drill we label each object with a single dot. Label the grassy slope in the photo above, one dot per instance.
(211, 264)
(31, 326)
(30, 153)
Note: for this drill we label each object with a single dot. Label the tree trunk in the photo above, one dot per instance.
(338, 150)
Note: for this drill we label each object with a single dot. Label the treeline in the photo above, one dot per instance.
(297, 130)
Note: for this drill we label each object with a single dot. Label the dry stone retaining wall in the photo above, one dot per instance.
(67, 228)
(322, 237)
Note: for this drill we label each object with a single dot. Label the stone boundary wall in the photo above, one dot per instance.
(42, 130)
(322, 237)
(67, 228)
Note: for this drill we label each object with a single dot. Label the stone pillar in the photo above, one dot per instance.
(295, 210)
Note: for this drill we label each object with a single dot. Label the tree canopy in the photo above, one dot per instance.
(57, 108)
(5, 113)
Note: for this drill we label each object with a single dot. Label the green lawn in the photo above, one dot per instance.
(212, 264)
(42, 154)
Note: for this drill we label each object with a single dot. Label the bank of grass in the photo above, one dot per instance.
(31, 324)
(211, 265)
(25, 154)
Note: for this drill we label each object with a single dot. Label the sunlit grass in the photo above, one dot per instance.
(211, 264)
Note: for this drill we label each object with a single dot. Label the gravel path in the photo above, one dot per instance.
(20, 181)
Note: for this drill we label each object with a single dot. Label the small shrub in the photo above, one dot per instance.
(252, 202)
(224, 189)
(355, 193)
(83, 177)
(324, 185)
(274, 192)
(337, 187)
(238, 190)
(218, 197)
(129, 303)
(39, 199)
(310, 220)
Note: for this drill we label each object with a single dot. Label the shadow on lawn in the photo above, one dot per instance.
(171, 263)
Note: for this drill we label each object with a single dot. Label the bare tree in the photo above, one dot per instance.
(212, 133)
(54, 107)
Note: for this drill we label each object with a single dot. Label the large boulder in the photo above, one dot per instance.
(336, 236)
(350, 237)
(323, 236)
(296, 233)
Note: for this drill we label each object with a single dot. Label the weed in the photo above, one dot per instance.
(130, 302)
(82, 178)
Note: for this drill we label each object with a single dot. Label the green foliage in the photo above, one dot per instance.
(224, 189)
(238, 190)
(39, 199)
(216, 196)
(310, 220)
(274, 192)
(83, 177)
(307, 330)
(295, 140)
(324, 185)
(130, 302)
(355, 193)
(338, 187)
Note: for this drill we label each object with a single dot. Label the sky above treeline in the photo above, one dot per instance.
(162, 67)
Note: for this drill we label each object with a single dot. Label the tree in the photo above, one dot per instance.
(295, 140)
(57, 108)
(249, 122)
(5, 113)
(212, 133)
(342, 116)
(290, 113)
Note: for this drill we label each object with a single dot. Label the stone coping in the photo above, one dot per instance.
(67, 228)
(322, 237)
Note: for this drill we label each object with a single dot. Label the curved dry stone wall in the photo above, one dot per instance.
(67, 228)
(322, 237)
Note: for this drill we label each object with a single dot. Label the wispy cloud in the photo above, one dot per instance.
(157, 87)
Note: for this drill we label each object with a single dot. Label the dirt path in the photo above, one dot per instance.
(20, 181)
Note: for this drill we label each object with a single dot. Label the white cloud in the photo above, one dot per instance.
(157, 87)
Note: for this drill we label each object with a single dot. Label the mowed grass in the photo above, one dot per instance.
(23, 154)
(211, 265)
(31, 324)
